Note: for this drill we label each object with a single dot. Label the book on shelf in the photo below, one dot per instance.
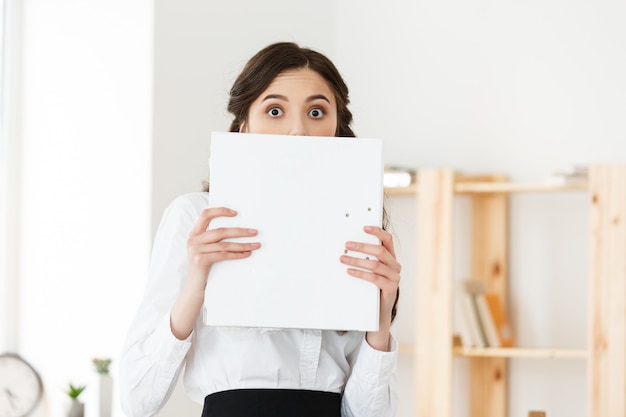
(501, 320)
(395, 177)
(484, 322)
(576, 174)
(469, 326)
(487, 321)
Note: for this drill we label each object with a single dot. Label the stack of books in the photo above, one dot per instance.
(483, 319)
(576, 174)
(394, 177)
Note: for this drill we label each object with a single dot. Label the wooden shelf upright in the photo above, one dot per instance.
(606, 367)
(489, 195)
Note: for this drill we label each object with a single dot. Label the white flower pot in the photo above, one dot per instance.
(105, 391)
(77, 409)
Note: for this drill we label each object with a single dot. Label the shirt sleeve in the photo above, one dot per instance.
(371, 389)
(152, 357)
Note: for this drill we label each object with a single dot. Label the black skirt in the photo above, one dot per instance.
(272, 403)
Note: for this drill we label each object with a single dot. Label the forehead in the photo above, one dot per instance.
(303, 80)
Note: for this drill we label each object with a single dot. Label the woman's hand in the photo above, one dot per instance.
(206, 247)
(384, 272)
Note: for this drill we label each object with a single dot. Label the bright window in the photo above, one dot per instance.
(75, 220)
(3, 198)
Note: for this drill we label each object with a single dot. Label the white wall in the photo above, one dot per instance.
(84, 225)
(522, 88)
(518, 87)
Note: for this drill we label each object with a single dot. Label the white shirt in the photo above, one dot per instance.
(218, 358)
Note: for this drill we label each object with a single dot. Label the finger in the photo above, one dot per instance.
(380, 252)
(384, 236)
(223, 256)
(207, 215)
(215, 235)
(206, 255)
(386, 286)
(226, 247)
(376, 267)
(211, 258)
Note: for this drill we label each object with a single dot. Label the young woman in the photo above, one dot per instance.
(283, 89)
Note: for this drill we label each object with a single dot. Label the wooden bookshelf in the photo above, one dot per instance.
(509, 187)
(433, 350)
(512, 352)
(468, 187)
(520, 352)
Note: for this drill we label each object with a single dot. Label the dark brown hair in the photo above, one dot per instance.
(275, 59)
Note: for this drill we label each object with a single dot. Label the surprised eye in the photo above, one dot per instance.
(316, 113)
(275, 112)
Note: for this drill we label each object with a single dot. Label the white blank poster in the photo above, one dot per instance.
(306, 196)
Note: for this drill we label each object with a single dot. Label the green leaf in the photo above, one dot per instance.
(75, 391)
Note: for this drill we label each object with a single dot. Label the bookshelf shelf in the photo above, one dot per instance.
(520, 352)
(434, 354)
(467, 187)
(509, 187)
(512, 352)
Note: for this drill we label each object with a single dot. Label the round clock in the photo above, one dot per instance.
(20, 386)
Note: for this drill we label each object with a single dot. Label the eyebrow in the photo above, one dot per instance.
(316, 97)
(285, 98)
(277, 96)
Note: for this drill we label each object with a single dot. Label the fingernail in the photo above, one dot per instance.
(252, 231)
(350, 245)
(255, 244)
(231, 211)
(368, 228)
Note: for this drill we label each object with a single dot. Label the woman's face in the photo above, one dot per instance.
(297, 102)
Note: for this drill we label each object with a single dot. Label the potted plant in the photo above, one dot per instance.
(77, 408)
(105, 385)
(102, 365)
